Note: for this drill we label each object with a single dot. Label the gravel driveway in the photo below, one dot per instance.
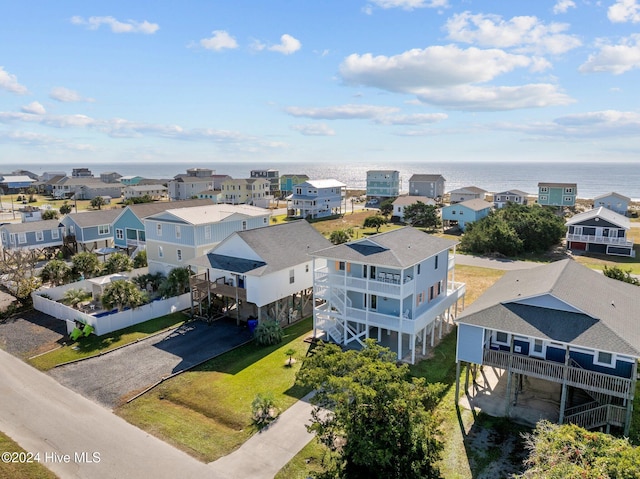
(113, 377)
(30, 333)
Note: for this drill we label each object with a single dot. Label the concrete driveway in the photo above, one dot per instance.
(115, 376)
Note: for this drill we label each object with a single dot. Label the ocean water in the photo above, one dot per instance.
(593, 179)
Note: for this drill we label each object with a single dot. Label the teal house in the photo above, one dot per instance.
(557, 194)
(128, 227)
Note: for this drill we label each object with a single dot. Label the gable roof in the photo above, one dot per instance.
(607, 317)
(407, 200)
(398, 248)
(475, 204)
(210, 213)
(604, 213)
(330, 183)
(87, 219)
(512, 192)
(279, 246)
(17, 179)
(145, 187)
(142, 210)
(419, 177)
(560, 185)
(617, 195)
(31, 226)
(469, 189)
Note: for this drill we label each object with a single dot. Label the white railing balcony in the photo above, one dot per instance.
(135, 242)
(599, 239)
(452, 263)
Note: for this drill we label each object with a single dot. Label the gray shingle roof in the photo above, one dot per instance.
(31, 226)
(605, 214)
(143, 210)
(280, 247)
(475, 205)
(399, 248)
(419, 177)
(95, 218)
(612, 305)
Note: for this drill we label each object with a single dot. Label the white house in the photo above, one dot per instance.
(613, 201)
(155, 192)
(401, 202)
(467, 193)
(317, 199)
(265, 273)
(176, 236)
(396, 286)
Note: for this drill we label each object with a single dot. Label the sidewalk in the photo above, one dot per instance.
(265, 453)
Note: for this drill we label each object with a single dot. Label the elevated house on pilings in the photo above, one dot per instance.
(44, 237)
(398, 287)
(567, 325)
(264, 273)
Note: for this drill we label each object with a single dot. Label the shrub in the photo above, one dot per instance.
(268, 333)
(263, 409)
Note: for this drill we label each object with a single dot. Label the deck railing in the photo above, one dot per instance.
(551, 371)
(598, 416)
(599, 239)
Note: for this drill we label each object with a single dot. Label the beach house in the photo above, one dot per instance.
(503, 198)
(401, 202)
(560, 333)
(89, 230)
(600, 230)
(382, 184)
(34, 235)
(317, 199)
(461, 214)
(614, 202)
(264, 273)
(431, 186)
(176, 236)
(397, 287)
(467, 193)
(557, 194)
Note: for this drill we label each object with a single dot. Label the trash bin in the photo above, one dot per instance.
(252, 324)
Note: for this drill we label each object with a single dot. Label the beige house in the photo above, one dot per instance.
(248, 191)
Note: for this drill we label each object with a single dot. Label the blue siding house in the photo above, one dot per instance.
(557, 194)
(398, 287)
(89, 230)
(563, 325)
(465, 212)
(317, 199)
(614, 202)
(128, 227)
(33, 235)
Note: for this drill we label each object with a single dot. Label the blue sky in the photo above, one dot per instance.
(319, 81)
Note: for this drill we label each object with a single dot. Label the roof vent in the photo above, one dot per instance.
(613, 304)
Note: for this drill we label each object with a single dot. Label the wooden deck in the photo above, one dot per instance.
(557, 372)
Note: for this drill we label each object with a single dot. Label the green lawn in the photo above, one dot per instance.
(206, 412)
(93, 344)
(21, 470)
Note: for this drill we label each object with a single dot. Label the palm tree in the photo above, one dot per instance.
(122, 294)
(55, 272)
(75, 296)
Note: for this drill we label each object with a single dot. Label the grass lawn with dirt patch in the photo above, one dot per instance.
(93, 344)
(352, 220)
(206, 411)
(20, 469)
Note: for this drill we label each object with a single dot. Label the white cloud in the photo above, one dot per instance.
(523, 33)
(314, 130)
(130, 26)
(435, 67)
(624, 11)
(341, 112)
(589, 125)
(563, 6)
(220, 40)
(10, 83)
(66, 95)
(287, 45)
(616, 59)
(34, 108)
(415, 119)
(408, 4)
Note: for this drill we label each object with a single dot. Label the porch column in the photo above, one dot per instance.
(433, 333)
(400, 345)
(457, 382)
(440, 326)
(259, 313)
(424, 340)
(508, 399)
(632, 389)
(563, 395)
(412, 342)
(313, 298)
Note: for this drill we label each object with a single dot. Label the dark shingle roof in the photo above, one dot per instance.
(612, 304)
(399, 248)
(32, 226)
(279, 247)
(419, 177)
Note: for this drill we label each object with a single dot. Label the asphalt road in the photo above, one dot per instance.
(111, 377)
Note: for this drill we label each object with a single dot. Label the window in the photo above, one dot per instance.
(372, 272)
(4, 236)
(160, 252)
(265, 220)
(418, 269)
(12, 238)
(341, 265)
(544, 189)
(55, 233)
(431, 293)
(419, 298)
(537, 347)
(605, 359)
(159, 229)
(374, 302)
(119, 233)
(179, 254)
(544, 197)
(292, 277)
(568, 191)
(178, 232)
(104, 229)
(207, 232)
(436, 262)
(244, 225)
(39, 236)
(567, 199)
(22, 238)
(306, 268)
(502, 337)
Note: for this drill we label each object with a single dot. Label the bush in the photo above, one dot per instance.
(263, 409)
(268, 333)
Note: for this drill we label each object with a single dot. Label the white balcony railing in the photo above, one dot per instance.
(600, 239)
